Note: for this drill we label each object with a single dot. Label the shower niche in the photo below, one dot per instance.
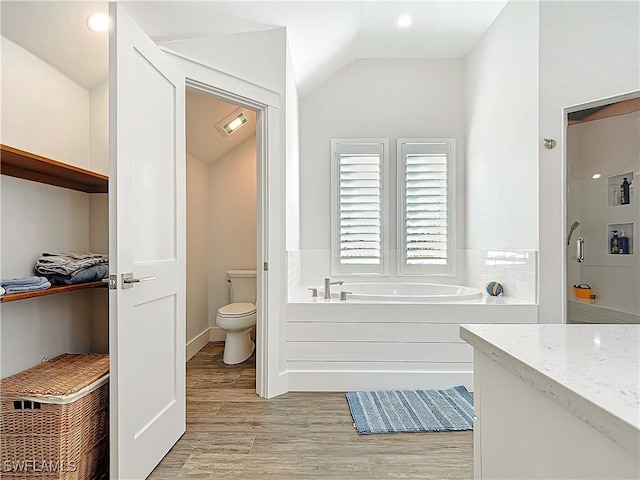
(623, 210)
(622, 231)
(615, 194)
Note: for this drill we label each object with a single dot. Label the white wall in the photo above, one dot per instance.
(99, 209)
(293, 158)
(99, 128)
(258, 57)
(502, 133)
(38, 218)
(198, 252)
(44, 327)
(588, 51)
(232, 220)
(374, 99)
(610, 146)
(43, 112)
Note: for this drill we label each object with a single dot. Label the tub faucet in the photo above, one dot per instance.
(327, 287)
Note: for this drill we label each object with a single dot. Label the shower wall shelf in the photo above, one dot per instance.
(627, 228)
(613, 189)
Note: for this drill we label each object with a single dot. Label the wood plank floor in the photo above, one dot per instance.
(234, 434)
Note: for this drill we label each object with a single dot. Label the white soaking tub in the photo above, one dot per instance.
(405, 292)
(388, 335)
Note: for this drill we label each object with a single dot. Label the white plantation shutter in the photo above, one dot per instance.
(359, 210)
(360, 207)
(425, 213)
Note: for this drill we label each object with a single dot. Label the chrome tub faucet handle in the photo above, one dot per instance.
(343, 295)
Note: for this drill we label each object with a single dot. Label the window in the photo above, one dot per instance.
(359, 234)
(426, 206)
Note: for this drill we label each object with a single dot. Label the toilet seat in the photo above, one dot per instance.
(237, 310)
(238, 320)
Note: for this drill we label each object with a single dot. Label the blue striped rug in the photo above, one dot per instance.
(411, 410)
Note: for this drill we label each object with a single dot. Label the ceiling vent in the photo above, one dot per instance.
(232, 122)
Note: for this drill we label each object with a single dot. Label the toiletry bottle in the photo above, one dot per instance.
(624, 192)
(625, 196)
(623, 241)
(615, 244)
(619, 195)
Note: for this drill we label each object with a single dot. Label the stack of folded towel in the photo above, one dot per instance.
(73, 268)
(22, 285)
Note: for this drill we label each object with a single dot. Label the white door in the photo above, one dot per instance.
(147, 241)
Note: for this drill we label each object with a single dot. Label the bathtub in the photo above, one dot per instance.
(405, 292)
(380, 341)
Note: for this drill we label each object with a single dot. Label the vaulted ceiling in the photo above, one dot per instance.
(324, 36)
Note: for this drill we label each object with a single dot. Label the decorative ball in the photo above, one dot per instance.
(494, 289)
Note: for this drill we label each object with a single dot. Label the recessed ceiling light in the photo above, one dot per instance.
(596, 176)
(404, 21)
(98, 22)
(232, 122)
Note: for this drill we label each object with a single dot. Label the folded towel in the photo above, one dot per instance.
(26, 281)
(91, 274)
(67, 263)
(27, 288)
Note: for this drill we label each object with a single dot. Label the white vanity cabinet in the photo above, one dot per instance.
(555, 401)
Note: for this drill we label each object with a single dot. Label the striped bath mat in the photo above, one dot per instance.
(411, 410)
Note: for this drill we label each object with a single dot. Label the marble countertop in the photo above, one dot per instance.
(591, 370)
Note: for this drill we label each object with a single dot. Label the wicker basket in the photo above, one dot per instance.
(54, 420)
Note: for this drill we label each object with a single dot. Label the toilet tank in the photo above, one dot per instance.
(242, 286)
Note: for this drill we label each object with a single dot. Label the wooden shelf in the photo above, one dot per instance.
(29, 166)
(51, 291)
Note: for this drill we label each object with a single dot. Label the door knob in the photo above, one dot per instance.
(128, 280)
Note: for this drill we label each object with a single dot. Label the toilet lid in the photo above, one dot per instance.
(237, 310)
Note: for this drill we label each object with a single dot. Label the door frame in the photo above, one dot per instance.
(565, 181)
(266, 103)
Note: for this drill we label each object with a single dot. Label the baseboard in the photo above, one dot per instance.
(332, 381)
(197, 344)
(217, 335)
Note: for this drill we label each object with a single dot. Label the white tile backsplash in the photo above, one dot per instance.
(316, 265)
(293, 270)
(516, 270)
(515, 274)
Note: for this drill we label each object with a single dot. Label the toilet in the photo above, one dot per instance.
(239, 317)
